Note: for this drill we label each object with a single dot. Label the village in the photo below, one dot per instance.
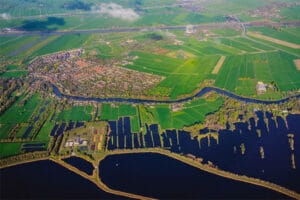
(74, 75)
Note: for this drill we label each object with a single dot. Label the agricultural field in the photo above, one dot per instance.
(65, 42)
(76, 113)
(13, 73)
(242, 72)
(191, 113)
(111, 112)
(182, 76)
(176, 62)
(9, 149)
(21, 110)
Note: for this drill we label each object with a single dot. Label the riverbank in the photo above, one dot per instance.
(201, 93)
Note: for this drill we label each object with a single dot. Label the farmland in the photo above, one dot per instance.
(90, 78)
(181, 77)
(21, 111)
(65, 42)
(76, 113)
(191, 113)
(266, 67)
(113, 113)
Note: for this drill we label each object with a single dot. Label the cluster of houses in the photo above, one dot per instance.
(271, 11)
(77, 76)
(76, 141)
(52, 59)
(191, 5)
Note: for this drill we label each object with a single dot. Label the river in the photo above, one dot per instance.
(204, 91)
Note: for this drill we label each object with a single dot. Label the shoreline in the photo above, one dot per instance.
(96, 179)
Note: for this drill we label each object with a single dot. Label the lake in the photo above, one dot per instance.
(162, 177)
(46, 179)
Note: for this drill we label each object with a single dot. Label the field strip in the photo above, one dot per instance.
(297, 63)
(277, 41)
(219, 65)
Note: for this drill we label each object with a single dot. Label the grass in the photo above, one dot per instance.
(135, 124)
(188, 77)
(10, 47)
(5, 130)
(127, 110)
(21, 110)
(76, 113)
(183, 77)
(21, 131)
(9, 149)
(291, 35)
(44, 134)
(13, 74)
(113, 113)
(240, 73)
(191, 113)
(155, 64)
(65, 42)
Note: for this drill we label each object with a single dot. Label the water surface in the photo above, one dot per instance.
(159, 176)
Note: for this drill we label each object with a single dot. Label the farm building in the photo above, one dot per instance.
(261, 87)
(190, 29)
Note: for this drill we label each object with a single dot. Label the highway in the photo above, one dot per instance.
(17, 33)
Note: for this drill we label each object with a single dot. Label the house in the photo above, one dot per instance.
(261, 88)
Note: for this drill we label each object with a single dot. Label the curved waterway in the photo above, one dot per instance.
(46, 179)
(159, 176)
(204, 91)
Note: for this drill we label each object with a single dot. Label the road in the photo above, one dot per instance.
(151, 28)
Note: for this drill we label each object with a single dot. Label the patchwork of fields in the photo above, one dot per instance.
(240, 73)
(20, 123)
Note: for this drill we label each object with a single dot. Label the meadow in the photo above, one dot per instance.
(191, 113)
(13, 74)
(62, 43)
(182, 76)
(21, 110)
(239, 73)
(76, 113)
(111, 112)
(18, 123)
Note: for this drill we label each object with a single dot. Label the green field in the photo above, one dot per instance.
(5, 129)
(65, 42)
(291, 35)
(44, 134)
(267, 67)
(9, 149)
(76, 113)
(9, 48)
(13, 74)
(155, 64)
(182, 76)
(191, 113)
(113, 113)
(21, 110)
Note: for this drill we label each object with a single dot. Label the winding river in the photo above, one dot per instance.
(201, 93)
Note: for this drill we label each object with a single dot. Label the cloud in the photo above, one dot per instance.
(116, 11)
(5, 16)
